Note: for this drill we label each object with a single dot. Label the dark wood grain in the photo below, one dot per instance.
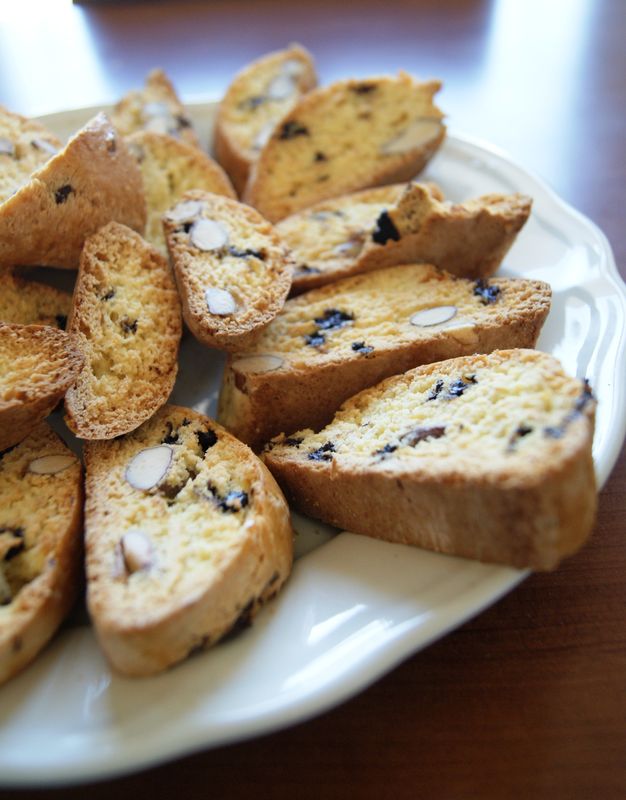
(527, 700)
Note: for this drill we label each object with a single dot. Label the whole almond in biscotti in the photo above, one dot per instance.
(37, 365)
(487, 457)
(232, 269)
(257, 98)
(169, 168)
(401, 224)
(92, 181)
(187, 535)
(154, 108)
(41, 491)
(127, 321)
(330, 343)
(25, 145)
(345, 137)
(32, 303)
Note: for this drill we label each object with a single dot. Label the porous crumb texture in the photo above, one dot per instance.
(25, 145)
(329, 343)
(401, 224)
(40, 544)
(92, 181)
(345, 137)
(126, 317)
(258, 97)
(487, 456)
(154, 108)
(215, 541)
(37, 365)
(32, 303)
(247, 267)
(169, 168)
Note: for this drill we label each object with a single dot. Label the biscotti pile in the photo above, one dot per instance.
(379, 374)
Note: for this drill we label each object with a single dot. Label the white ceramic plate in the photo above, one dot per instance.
(354, 607)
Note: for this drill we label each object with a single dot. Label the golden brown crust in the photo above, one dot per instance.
(127, 321)
(528, 515)
(150, 619)
(92, 181)
(308, 387)
(253, 266)
(316, 153)
(246, 111)
(37, 366)
(51, 524)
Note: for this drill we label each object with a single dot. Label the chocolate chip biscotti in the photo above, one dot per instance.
(187, 535)
(127, 321)
(258, 97)
(155, 108)
(41, 491)
(401, 224)
(232, 269)
(487, 457)
(169, 168)
(92, 181)
(32, 303)
(330, 343)
(345, 137)
(37, 365)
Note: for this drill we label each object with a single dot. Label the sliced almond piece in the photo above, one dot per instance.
(43, 144)
(263, 136)
(156, 109)
(207, 234)
(50, 465)
(284, 84)
(416, 134)
(163, 125)
(186, 211)
(433, 316)
(258, 364)
(149, 466)
(137, 550)
(219, 301)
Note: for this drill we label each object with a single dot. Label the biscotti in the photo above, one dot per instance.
(487, 457)
(25, 145)
(154, 108)
(40, 544)
(37, 365)
(345, 137)
(401, 224)
(187, 535)
(169, 168)
(232, 269)
(32, 303)
(92, 181)
(330, 343)
(126, 319)
(258, 97)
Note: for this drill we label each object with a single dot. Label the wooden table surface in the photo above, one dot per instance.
(527, 700)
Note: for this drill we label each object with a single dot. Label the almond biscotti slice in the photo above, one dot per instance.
(25, 145)
(332, 342)
(345, 137)
(258, 97)
(127, 321)
(232, 269)
(487, 457)
(169, 168)
(92, 181)
(401, 224)
(187, 534)
(32, 303)
(41, 492)
(154, 108)
(37, 365)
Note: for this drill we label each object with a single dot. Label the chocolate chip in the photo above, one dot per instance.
(235, 251)
(323, 453)
(386, 450)
(233, 502)
(488, 294)
(170, 437)
(128, 325)
(422, 434)
(292, 129)
(333, 318)
(585, 397)
(307, 270)
(62, 194)
(363, 88)
(385, 229)
(315, 339)
(243, 621)
(361, 347)
(519, 433)
(206, 439)
(182, 121)
(109, 294)
(435, 391)
(293, 441)
(61, 321)
(457, 388)
(319, 156)
(171, 491)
